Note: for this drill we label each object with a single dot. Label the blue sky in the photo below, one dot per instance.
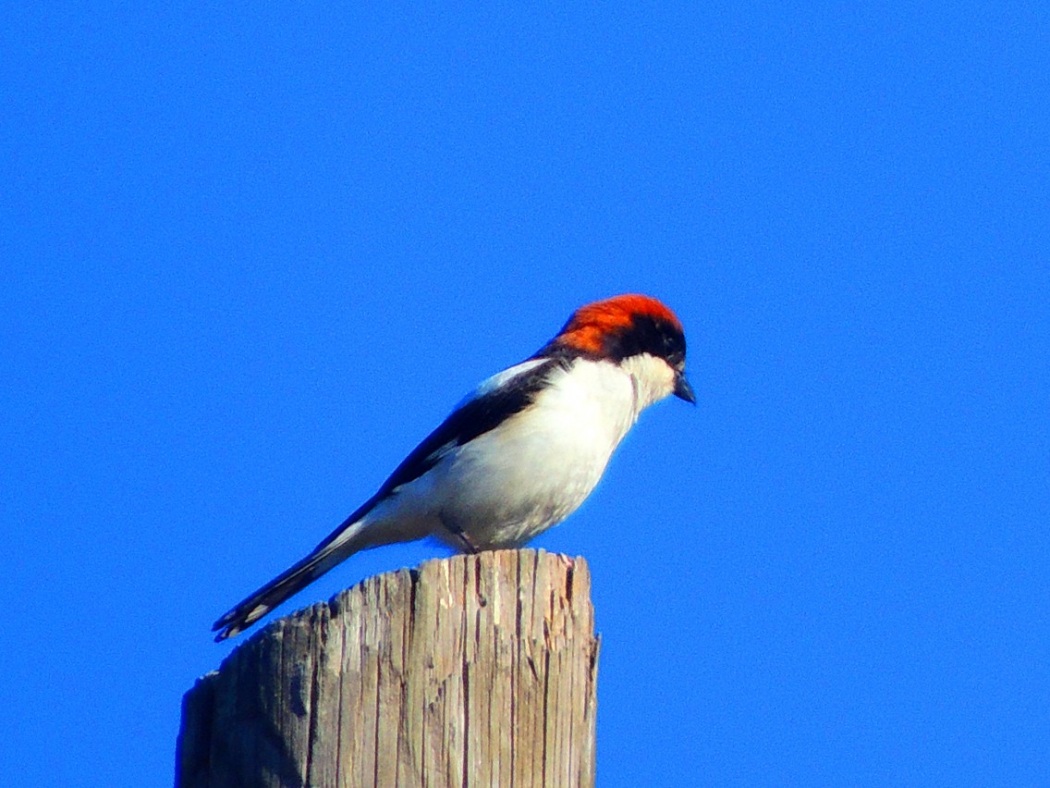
(250, 259)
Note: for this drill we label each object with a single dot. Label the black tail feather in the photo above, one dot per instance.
(285, 585)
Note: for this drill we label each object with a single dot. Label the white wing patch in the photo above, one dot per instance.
(501, 379)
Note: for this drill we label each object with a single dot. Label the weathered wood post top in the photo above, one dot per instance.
(476, 670)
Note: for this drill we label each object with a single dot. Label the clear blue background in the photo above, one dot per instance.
(250, 258)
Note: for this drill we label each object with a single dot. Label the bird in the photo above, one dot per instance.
(516, 456)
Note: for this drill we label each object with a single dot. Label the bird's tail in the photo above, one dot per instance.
(323, 558)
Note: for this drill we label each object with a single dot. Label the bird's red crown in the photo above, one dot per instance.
(591, 324)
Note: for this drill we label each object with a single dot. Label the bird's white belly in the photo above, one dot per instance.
(534, 470)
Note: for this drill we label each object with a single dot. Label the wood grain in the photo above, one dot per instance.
(475, 670)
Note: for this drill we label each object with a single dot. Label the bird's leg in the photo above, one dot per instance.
(468, 546)
(457, 533)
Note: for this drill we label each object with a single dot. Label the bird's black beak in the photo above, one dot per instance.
(682, 389)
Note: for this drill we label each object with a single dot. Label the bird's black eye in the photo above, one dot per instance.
(649, 335)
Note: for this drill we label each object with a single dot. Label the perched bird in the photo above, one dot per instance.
(519, 454)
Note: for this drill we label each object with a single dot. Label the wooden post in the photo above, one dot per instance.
(475, 670)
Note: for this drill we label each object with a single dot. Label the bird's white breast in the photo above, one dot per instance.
(536, 468)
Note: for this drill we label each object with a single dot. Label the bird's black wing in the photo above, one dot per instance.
(494, 401)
